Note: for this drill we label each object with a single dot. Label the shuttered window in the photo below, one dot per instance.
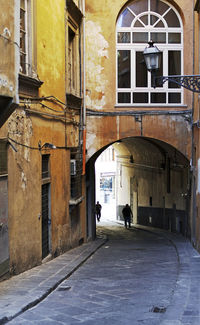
(45, 166)
(3, 157)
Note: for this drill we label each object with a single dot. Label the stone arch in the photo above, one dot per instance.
(163, 185)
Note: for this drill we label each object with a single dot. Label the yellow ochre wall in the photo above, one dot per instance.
(101, 84)
(24, 167)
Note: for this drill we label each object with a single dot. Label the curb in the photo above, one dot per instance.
(89, 251)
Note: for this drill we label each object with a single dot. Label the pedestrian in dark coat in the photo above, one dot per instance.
(127, 214)
(98, 210)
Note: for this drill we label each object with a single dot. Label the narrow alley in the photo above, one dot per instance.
(138, 276)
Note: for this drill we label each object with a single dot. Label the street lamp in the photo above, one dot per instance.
(152, 57)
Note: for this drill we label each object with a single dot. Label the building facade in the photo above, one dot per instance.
(149, 127)
(42, 140)
(64, 63)
(196, 134)
(8, 102)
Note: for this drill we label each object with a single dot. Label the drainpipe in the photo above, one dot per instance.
(193, 178)
(84, 106)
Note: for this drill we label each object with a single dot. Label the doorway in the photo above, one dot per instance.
(46, 214)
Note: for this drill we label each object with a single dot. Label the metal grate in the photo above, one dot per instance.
(45, 166)
(158, 310)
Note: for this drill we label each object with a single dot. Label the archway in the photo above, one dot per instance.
(153, 177)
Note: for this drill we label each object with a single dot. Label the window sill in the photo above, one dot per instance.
(150, 106)
(29, 86)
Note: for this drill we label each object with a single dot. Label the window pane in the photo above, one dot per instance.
(22, 41)
(140, 37)
(158, 98)
(174, 98)
(174, 38)
(45, 166)
(144, 19)
(22, 19)
(153, 19)
(138, 24)
(71, 60)
(141, 70)
(159, 73)
(123, 37)
(172, 19)
(140, 98)
(159, 6)
(158, 37)
(139, 6)
(174, 66)
(159, 24)
(22, 63)
(124, 75)
(124, 98)
(125, 19)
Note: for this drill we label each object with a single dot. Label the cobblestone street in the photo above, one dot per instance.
(132, 279)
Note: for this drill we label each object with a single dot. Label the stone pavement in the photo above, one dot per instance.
(27, 289)
(184, 308)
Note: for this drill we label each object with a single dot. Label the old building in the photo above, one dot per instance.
(150, 128)
(196, 133)
(66, 63)
(8, 102)
(42, 141)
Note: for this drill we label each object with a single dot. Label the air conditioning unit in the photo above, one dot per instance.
(72, 167)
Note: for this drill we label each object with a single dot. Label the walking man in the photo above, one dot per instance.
(98, 210)
(127, 214)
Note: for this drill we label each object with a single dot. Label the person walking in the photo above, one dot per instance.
(127, 214)
(98, 210)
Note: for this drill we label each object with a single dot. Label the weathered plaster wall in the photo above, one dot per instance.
(29, 129)
(25, 182)
(110, 123)
(8, 86)
(23, 195)
(101, 84)
(173, 130)
(51, 47)
(101, 20)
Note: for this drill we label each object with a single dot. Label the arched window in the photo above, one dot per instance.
(139, 22)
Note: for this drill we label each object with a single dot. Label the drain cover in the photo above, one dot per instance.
(63, 288)
(158, 310)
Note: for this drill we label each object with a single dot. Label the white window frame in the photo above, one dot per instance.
(73, 60)
(28, 40)
(164, 47)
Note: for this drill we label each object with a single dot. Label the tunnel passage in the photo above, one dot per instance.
(150, 175)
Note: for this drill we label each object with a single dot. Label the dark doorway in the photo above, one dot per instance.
(45, 220)
(46, 216)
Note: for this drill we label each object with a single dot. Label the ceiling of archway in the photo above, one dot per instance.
(146, 150)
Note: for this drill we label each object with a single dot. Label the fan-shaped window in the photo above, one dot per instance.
(139, 22)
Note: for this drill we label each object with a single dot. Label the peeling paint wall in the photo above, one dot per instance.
(96, 53)
(108, 122)
(104, 130)
(101, 85)
(9, 50)
(29, 128)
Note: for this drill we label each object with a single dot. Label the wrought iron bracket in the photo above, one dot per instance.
(191, 83)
